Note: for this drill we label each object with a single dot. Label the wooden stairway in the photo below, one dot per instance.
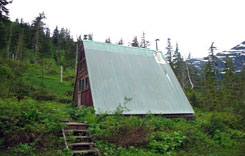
(77, 138)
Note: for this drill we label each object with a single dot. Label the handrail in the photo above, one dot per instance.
(63, 132)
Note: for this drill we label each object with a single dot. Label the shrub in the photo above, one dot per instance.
(31, 124)
(42, 93)
(166, 143)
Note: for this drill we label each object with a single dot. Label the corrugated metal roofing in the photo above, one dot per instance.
(117, 71)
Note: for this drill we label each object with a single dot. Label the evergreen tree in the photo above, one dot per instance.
(85, 37)
(241, 107)
(45, 48)
(38, 25)
(229, 81)
(3, 36)
(242, 86)
(90, 37)
(56, 43)
(108, 40)
(55, 36)
(120, 42)
(178, 66)
(169, 52)
(62, 38)
(144, 43)
(135, 42)
(4, 11)
(213, 60)
(209, 90)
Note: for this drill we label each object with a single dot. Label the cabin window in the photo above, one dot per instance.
(79, 85)
(83, 84)
(86, 83)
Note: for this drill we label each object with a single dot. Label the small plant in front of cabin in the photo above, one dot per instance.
(165, 143)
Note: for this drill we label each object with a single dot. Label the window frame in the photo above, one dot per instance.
(83, 84)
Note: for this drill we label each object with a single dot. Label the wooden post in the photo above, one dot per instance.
(61, 74)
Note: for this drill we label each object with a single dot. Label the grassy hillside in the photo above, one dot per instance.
(31, 125)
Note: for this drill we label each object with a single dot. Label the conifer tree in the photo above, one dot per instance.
(45, 48)
(178, 66)
(108, 40)
(120, 42)
(229, 83)
(209, 89)
(243, 83)
(213, 59)
(3, 35)
(38, 25)
(169, 52)
(85, 37)
(241, 108)
(55, 36)
(90, 37)
(56, 43)
(144, 43)
(4, 11)
(135, 42)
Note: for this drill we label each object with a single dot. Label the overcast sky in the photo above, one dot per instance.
(194, 24)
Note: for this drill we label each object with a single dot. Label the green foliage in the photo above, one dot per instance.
(166, 143)
(116, 134)
(24, 149)
(30, 125)
(3, 35)
(42, 93)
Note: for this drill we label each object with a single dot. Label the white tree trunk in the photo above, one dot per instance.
(36, 45)
(189, 77)
(9, 41)
(61, 74)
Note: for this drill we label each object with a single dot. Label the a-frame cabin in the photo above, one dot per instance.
(106, 73)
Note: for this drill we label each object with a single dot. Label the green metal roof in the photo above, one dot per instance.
(117, 71)
(115, 48)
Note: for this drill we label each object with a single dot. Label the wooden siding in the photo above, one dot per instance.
(82, 73)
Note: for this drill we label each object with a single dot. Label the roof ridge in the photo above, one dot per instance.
(112, 44)
(109, 47)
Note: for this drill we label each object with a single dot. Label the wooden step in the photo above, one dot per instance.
(76, 124)
(79, 137)
(85, 151)
(80, 144)
(76, 130)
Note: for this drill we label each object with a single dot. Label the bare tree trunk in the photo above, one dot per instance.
(42, 68)
(61, 74)
(189, 77)
(36, 44)
(20, 45)
(13, 56)
(9, 41)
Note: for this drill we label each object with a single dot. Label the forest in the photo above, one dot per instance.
(34, 100)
